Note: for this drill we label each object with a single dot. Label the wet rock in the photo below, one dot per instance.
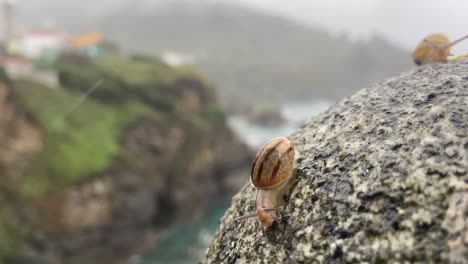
(383, 178)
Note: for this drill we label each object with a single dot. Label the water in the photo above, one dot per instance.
(188, 244)
(295, 114)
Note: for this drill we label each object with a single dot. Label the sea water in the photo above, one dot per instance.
(188, 243)
(295, 115)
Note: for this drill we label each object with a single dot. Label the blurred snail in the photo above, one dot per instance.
(271, 169)
(434, 48)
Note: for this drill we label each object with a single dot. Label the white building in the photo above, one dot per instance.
(34, 44)
(176, 59)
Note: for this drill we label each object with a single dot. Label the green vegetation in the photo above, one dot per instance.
(80, 142)
(4, 77)
(77, 144)
(8, 234)
(139, 70)
(213, 113)
(147, 80)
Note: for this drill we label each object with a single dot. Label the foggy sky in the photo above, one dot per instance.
(403, 22)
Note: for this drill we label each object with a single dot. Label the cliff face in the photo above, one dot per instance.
(382, 176)
(19, 142)
(118, 212)
(23, 136)
(100, 184)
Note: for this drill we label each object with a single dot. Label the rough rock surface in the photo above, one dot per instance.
(382, 177)
(23, 137)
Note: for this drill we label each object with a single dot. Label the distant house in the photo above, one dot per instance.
(18, 67)
(42, 44)
(89, 45)
(176, 58)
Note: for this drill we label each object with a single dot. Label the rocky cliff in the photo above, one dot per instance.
(98, 184)
(382, 177)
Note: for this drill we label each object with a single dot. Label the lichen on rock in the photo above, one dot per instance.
(383, 177)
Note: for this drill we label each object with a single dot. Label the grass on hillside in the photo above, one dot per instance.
(138, 71)
(8, 233)
(76, 145)
(84, 142)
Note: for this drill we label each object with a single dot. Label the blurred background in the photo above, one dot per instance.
(127, 125)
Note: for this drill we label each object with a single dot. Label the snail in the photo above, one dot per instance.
(271, 169)
(434, 48)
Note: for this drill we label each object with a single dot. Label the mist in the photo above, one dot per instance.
(405, 23)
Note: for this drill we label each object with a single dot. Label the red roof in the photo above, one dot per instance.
(44, 32)
(10, 61)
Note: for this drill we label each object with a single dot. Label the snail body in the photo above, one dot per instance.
(434, 48)
(271, 169)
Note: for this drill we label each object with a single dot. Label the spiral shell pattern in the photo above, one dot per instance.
(273, 164)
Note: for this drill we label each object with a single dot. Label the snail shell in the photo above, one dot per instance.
(273, 164)
(434, 48)
(425, 53)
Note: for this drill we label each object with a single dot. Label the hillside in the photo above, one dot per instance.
(95, 184)
(250, 54)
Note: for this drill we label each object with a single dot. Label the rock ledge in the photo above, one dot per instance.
(383, 176)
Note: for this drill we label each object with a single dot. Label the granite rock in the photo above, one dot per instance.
(382, 177)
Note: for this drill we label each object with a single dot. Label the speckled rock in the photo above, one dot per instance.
(382, 177)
